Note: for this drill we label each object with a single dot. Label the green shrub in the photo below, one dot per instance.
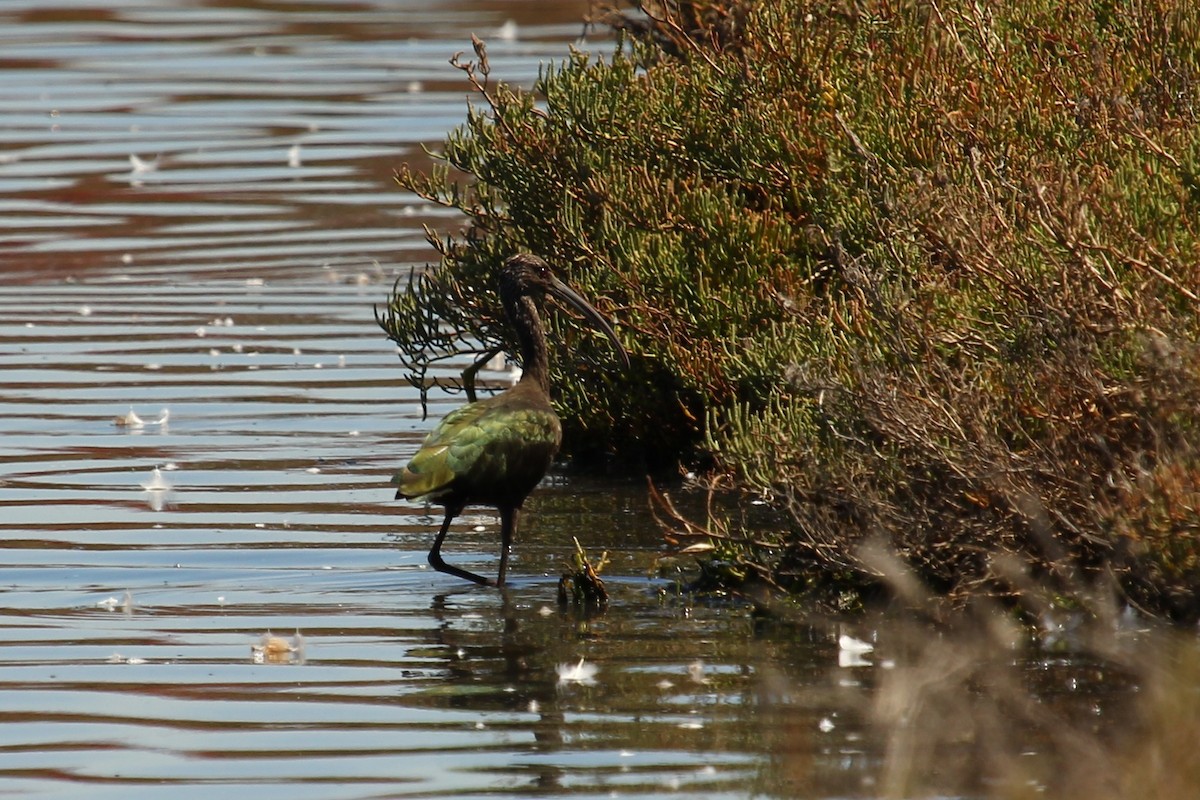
(920, 273)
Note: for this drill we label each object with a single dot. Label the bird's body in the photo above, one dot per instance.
(494, 452)
(487, 452)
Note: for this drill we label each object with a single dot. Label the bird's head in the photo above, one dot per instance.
(527, 275)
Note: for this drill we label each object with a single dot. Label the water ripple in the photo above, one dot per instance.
(197, 215)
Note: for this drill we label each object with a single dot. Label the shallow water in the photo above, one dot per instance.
(196, 218)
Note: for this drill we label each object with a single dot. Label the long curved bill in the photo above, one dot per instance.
(573, 298)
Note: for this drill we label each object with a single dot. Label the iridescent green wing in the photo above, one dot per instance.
(431, 468)
(482, 444)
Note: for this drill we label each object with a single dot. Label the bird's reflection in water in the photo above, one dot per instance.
(504, 652)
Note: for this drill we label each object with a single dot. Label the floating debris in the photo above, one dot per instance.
(293, 156)
(847, 659)
(696, 672)
(507, 32)
(278, 650)
(852, 645)
(157, 490)
(582, 672)
(852, 652)
(133, 422)
(112, 604)
(139, 166)
(117, 658)
(157, 482)
(582, 584)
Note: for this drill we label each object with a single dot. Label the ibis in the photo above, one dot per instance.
(495, 451)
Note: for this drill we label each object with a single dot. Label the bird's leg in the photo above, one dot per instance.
(435, 555)
(468, 374)
(508, 525)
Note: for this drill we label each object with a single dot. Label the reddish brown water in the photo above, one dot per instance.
(197, 218)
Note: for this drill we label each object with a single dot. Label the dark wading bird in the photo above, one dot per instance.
(494, 452)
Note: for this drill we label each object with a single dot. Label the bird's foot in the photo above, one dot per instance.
(440, 565)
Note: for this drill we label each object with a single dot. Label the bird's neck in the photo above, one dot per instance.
(535, 365)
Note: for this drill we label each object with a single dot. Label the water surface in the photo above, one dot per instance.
(199, 418)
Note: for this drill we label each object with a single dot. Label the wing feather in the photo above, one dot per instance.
(486, 450)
